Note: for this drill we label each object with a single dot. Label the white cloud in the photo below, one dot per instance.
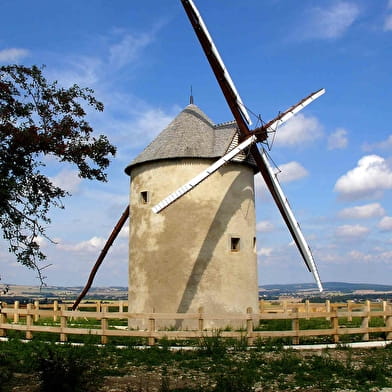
(127, 115)
(338, 139)
(332, 22)
(128, 49)
(265, 252)
(67, 180)
(355, 255)
(388, 23)
(260, 187)
(82, 70)
(292, 171)
(149, 123)
(383, 145)
(41, 241)
(265, 226)
(388, 19)
(385, 223)
(124, 233)
(351, 231)
(94, 244)
(13, 55)
(373, 257)
(371, 176)
(121, 49)
(104, 197)
(299, 130)
(363, 212)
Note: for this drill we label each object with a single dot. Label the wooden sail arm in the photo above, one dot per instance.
(222, 76)
(102, 255)
(240, 115)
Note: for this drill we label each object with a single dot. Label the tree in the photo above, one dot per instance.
(40, 119)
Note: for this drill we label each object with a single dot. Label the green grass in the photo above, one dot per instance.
(214, 367)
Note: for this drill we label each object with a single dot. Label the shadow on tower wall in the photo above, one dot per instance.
(232, 201)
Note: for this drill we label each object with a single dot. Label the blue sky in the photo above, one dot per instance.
(141, 58)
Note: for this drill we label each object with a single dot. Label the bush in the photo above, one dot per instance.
(213, 346)
(68, 369)
(5, 371)
(240, 380)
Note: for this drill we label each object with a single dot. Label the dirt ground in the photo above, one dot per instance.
(167, 378)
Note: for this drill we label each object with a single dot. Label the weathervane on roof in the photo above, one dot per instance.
(191, 97)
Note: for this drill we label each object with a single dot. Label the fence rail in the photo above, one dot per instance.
(110, 320)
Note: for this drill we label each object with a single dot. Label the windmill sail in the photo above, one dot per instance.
(216, 61)
(293, 110)
(292, 223)
(270, 127)
(230, 93)
(203, 175)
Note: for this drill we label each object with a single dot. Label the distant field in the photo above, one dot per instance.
(19, 292)
(335, 291)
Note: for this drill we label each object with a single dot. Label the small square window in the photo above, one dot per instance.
(235, 244)
(144, 197)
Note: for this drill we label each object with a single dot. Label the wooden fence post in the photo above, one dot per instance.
(261, 306)
(350, 309)
(335, 326)
(384, 308)
(16, 314)
(36, 307)
(63, 323)
(201, 319)
(365, 320)
(3, 320)
(307, 308)
(249, 326)
(104, 324)
(55, 309)
(29, 321)
(121, 306)
(388, 322)
(151, 328)
(328, 308)
(295, 328)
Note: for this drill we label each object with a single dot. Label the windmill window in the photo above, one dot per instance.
(235, 244)
(254, 244)
(144, 197)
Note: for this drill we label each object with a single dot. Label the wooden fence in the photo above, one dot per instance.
(110, 319)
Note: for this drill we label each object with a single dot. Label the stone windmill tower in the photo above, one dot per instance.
(200, 252)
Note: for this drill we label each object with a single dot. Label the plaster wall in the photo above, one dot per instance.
(181, 259)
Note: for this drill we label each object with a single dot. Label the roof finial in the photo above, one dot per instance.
(191, 97)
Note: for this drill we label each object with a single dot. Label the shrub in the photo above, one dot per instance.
(68, 369)
(240, 380)
(5, 371)
(213, 346)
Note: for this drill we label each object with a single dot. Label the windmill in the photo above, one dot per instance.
(251, 138)
(178, 248)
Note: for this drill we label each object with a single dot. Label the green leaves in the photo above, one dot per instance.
(39, 118)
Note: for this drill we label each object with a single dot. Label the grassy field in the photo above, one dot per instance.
(214, 365)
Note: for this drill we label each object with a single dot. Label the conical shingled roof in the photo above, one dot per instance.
(191, 135)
